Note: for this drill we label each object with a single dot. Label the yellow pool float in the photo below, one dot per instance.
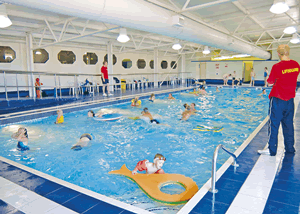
(151, 184)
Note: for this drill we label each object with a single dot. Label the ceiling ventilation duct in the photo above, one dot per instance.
(142, 15)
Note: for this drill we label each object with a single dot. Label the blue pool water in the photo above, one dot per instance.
(126, 141)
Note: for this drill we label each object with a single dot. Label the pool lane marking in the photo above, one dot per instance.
(79, 189)
(204, 189)
(260, 179)
(82, 104)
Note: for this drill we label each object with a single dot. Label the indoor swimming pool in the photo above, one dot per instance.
(126, 141)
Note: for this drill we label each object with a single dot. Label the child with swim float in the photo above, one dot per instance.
(151, 168)
(22, 136)
(60, 117)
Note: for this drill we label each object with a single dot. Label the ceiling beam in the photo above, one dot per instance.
(201, 6)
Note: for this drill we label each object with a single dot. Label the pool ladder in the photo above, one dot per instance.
(214, 166)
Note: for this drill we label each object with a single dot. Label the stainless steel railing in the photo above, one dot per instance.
(133, 81)
(214, 166)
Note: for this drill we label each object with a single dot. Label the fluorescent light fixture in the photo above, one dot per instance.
(279, 7)
(224, 57)
(295, 39)
(176, 46)
(290, 30)
(38, 52)
(123, 36)
(4, 20)
(206, 50)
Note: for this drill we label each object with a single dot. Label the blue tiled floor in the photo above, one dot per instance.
(8, 209)
(232, 180)
(285, 193)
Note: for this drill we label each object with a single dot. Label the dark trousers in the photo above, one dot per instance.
(281, 111)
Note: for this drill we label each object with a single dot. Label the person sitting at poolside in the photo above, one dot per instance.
(60, 117)
(217, 89)
(22, 136)
(136, 102)
(171, 97)
(263, 92)
(152, 98)
(151, 168)
(83, 142)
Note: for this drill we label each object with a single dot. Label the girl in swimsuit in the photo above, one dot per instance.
(22, 137)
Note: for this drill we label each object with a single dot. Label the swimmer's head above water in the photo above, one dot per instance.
(145, 110)
(159, 160)
(91, 113)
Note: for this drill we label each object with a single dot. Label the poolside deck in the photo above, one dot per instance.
(261, 184)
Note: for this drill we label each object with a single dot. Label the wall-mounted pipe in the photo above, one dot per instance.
(142, 15)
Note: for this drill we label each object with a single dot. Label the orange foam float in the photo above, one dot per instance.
(151, 184)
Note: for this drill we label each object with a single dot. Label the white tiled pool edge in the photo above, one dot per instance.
(254, 193)
(204, 189)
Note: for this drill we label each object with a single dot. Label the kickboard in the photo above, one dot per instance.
(207, 129)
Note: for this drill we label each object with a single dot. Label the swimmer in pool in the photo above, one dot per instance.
(60, 117)
(171, 97)
(194, 92)
(217, 89)
(152, 98)
(151, 168)
(83, 142)
(92, 114)
(263, 92)
(146, 113)
(22, 136)
(192, 108)
(187, 113)
(136, 102)
(202, 91)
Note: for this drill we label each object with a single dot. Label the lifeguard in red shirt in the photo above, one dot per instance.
(151, 168)
(283, 77)
(105, 79)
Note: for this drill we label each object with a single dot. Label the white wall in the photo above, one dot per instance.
(216, 70)
(79, 66)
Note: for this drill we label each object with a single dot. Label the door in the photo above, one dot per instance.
(247, 70)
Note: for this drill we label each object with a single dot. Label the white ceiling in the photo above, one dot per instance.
(249, 20)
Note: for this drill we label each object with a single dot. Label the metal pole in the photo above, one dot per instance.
(92, 87)
(17, 86)
(75, 87)
(59, 86)
(4, 75)
(33, 87)
(55, 86)
(41, 87)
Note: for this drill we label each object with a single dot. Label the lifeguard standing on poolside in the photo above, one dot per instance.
(283, 77)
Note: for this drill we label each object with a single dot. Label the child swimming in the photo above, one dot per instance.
(152, 98)
(171, 97)
(263, 92)
(151, 168)
(187, 113)
(83, 142)
(136, 102)
(92, 114)
(60, 117)
(22, 136)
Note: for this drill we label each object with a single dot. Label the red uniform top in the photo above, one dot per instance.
(141, 166)
(284, 76)
(104, 72)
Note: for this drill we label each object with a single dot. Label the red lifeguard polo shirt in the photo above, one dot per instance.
(104, 72)
(284, 76)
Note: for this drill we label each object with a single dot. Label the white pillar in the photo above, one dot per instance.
(30, 64)
(110, 64)
(183, 75)
(156, 63)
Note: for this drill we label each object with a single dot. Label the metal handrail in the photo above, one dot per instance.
(214, 166)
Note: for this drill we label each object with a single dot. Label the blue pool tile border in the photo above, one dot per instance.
(232, 180)
(65, 196)
(8, 209)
